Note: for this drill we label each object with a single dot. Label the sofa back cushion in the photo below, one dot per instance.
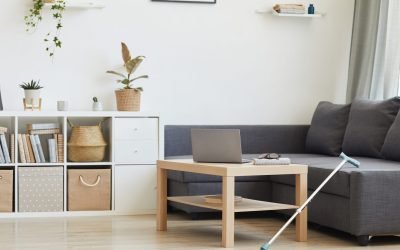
(391, 146)
(369, 122)
(328, 126)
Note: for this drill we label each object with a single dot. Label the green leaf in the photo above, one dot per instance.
(133, 64)
(139, 77)
(116, 73)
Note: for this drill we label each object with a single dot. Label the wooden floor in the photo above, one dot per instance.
(138, 232)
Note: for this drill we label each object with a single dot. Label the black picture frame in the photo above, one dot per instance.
(188, 1)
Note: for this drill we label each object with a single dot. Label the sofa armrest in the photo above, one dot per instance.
(375, 202)
(256, 139)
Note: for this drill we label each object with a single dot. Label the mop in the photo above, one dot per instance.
(346, 159)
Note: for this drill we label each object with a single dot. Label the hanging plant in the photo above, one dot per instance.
(34, 17)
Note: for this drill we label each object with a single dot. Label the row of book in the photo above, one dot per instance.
(30, 147)
(5, 156)
(31, 150)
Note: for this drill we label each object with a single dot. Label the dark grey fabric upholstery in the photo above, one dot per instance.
(391, 146)
(321, 166)
(325, 209)
(255, 139)
(375, 202)
(369, 122)
(328, 126)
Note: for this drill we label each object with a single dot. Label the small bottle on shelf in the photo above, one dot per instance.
(311, 9)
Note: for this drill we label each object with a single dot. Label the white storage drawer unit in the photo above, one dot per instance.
(135, 190)
(135, 154)
(136, 128)
(136, 140)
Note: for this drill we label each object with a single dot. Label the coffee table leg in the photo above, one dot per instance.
(228, 211)
(161, 199)
(301, 197)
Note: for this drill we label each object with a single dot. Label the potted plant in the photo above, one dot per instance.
(128, 98)
(34, 17)
(32, 92)
(97, 106)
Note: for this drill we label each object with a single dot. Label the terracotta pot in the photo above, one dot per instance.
(128, 100)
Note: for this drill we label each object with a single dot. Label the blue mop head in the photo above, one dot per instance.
(265, 246)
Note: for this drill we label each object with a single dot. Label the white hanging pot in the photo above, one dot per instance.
(32, 96)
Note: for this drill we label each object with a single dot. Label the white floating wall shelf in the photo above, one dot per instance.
(81, 5)
(273, 12)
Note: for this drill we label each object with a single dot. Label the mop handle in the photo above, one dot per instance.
(301, 208)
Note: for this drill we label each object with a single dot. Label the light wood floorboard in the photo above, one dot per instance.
(139, 232)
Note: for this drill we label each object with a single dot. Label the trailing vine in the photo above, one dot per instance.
(34, 17)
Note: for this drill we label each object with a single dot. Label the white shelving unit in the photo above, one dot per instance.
(133, 173)
(81, 4)
(274, 13)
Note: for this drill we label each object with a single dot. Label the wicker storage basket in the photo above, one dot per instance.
(128, 100)
(86, 144)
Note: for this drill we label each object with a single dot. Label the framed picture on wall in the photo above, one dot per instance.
(187, 1)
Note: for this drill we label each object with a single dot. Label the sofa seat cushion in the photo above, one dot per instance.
(321, 166)
(193, 177)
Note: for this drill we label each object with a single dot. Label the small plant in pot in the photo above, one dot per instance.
(97, 106)
(128, 98)
(32, 92)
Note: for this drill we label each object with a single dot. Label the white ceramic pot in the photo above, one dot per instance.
(97, 106)
(32, 96)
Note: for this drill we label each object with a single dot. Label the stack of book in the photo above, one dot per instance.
(5, 156)
(290, 8)
(30, 146)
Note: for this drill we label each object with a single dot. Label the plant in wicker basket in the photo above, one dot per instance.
(128, 98)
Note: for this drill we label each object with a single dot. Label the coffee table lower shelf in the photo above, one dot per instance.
(245, 205)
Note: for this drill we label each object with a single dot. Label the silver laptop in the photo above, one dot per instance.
(217, 145)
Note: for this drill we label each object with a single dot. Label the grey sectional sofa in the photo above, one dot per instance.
(361, 201)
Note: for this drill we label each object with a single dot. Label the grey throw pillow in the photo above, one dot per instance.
(391, 147)
(369, 122)
(327, 129)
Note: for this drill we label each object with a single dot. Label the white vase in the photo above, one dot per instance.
(97, 106)
(32, 96)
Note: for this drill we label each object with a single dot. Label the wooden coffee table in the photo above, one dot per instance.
(228, 172)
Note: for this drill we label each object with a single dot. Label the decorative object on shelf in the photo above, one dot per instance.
(128, 98)
(32, 98)
(62, 105)
(311, 9)
(187, 1)
(86, 143)
(34, 17)
(97, 106)
(289, 8)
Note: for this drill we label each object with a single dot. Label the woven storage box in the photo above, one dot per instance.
(89, 189)
(41, 189)
(86, 144)
(6, 190)
(128, 99)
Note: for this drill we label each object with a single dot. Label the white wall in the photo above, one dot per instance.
(209, 64)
